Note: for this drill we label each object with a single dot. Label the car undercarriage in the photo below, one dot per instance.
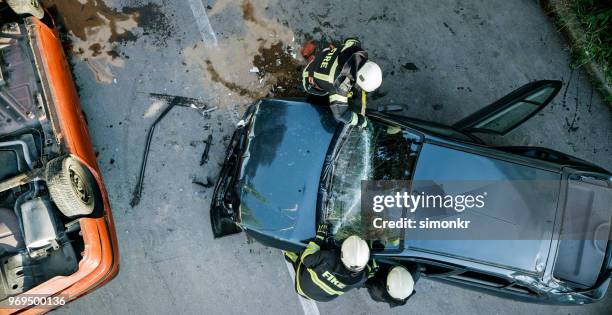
(43, 191)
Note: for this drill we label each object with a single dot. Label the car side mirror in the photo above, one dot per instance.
(389, 108)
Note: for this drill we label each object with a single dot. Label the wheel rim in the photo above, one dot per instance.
(80, 187)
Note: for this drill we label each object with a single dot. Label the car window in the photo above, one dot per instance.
(378, 152)
(510, 111)
(508, 117)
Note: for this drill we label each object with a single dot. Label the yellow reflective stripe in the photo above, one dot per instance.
(338, 98)
(348, 44)
(363, 102)
(354, 119)
(291, 255)
(324, 77)
(327, 77)
(297, 282)
(332, 71)
(311, 249)
(321, 284)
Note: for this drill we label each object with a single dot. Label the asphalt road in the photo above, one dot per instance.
(442, 60)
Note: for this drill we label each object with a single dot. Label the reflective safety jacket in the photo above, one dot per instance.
(321, 276)
(334, 72)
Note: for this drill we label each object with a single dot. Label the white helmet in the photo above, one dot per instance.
(355, 253)
(369, 76)
(399, 283)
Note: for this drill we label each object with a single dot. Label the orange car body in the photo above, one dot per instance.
(100, 259)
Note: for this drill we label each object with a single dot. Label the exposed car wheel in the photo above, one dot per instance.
(31, 7)
(71, 186)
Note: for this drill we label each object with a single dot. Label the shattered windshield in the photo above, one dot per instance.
(378, 152)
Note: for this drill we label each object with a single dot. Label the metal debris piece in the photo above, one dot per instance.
(209, 182)
(181, 100)
(206, 111)
(136, 195)
(208, 144)
(172, 101)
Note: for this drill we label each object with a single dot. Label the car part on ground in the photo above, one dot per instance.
(207, 146)
(137, 193)
(48, 173)
(209, 182)
(172, 101)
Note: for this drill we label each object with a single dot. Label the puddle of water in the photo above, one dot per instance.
(95, 30)
(265, 44)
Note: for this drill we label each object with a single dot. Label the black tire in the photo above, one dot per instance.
(71, 186)
(27, 7)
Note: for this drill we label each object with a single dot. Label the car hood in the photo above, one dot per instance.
(281, 168)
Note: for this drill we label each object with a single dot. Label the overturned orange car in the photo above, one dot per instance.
(57, 237)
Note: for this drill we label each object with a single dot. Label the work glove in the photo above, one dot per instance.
(362, 122)
(322, 231)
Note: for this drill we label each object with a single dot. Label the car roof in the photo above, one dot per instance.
(513, 229)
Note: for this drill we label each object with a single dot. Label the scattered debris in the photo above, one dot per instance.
(209, 182)
(449, 28)
(181, 101)
(208, 144)
(210, 110)
(280, 70)
(232, 86)
(410, 67)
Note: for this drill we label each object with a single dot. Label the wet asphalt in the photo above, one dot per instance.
(441, 59)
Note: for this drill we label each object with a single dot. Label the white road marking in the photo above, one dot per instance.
(203, 23)
(309, 306)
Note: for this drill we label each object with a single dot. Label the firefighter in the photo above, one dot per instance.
(339, 73)
(323, 274)
(393, 285)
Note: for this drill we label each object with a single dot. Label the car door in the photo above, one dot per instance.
(511, 110)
